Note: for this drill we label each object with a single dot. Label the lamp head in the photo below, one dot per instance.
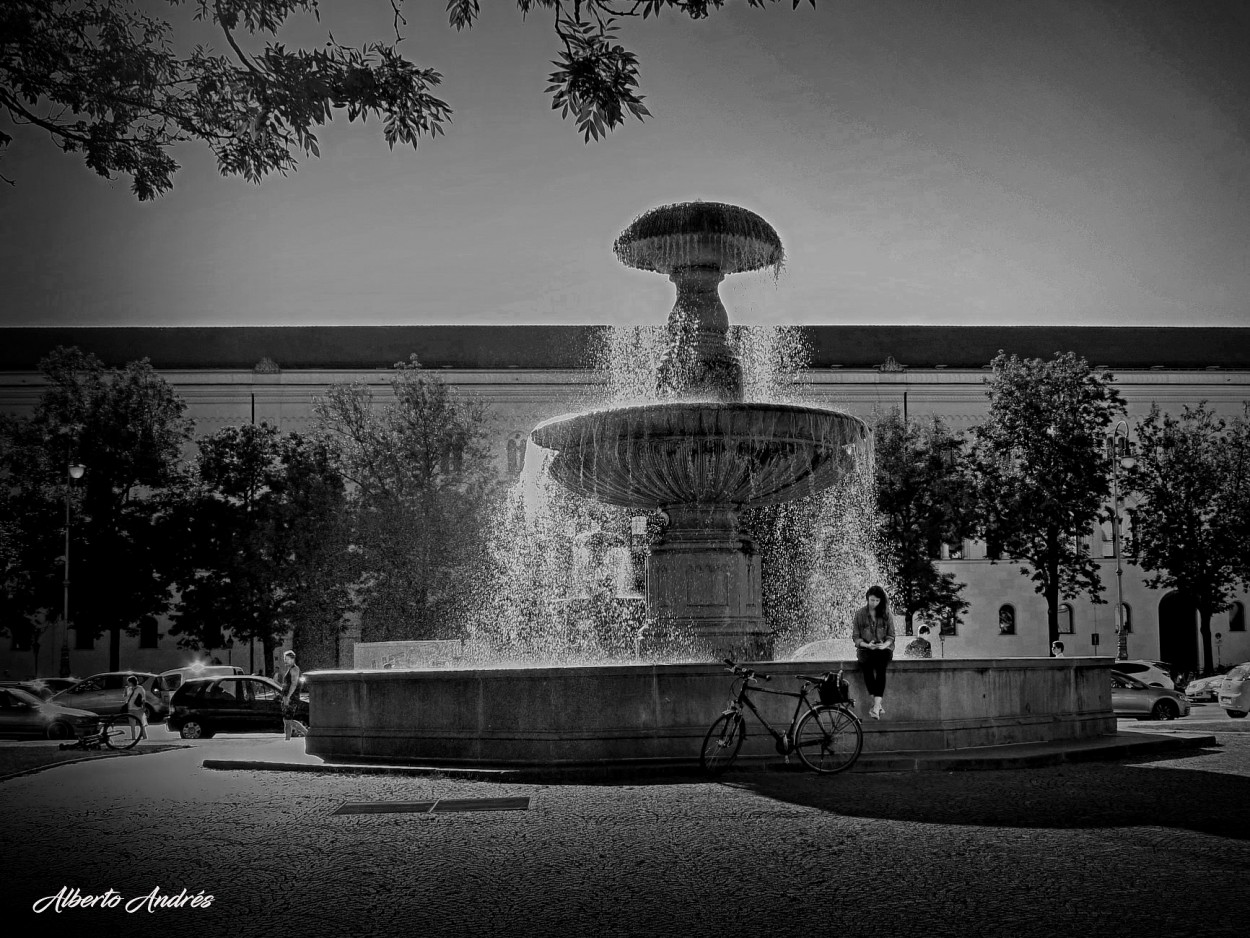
(76, 470)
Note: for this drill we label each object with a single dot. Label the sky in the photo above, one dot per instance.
(965, 162)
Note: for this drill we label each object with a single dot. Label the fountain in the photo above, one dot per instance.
(703, 454)
(700, 454)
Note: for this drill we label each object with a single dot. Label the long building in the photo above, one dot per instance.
(525, 374)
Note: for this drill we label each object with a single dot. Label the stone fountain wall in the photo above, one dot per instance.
(658, 714)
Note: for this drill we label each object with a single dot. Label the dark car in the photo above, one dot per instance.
(203, 707)
(24, 714)
(39, 689)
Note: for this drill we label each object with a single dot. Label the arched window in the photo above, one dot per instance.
(1237, 617)
(1006, 620)
(1065, 619)
(1127, 612)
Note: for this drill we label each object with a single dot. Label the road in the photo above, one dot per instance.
(1141, 848)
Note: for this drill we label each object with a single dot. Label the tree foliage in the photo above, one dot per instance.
(265, 545)
(1189, 524)
(105, 78)
(420, 487)
(925, 501)
(127, 426)
(1040, 472)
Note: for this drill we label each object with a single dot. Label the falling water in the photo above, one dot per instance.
(565, 579)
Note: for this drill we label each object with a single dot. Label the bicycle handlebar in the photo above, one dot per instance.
(747, 673)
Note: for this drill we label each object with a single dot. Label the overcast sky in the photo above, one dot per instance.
(960, 162)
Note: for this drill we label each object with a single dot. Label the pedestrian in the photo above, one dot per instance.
(920, 646)
(290, 698)
(1056, 649)
(873, 631)
(135, 702)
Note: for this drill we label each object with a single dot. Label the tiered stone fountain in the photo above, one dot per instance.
(702, 455)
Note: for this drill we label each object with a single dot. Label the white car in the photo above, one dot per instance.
(1205, 688)
(1235, 691)
(1154, 673)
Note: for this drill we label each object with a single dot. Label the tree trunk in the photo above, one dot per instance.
(115, 648)
(1052, 599)
(1204, 630)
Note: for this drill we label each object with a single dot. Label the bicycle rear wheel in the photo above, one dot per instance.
(828, 739)
(722, 742)
(122, 732)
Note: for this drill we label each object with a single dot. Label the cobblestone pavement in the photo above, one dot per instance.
(1138, 848)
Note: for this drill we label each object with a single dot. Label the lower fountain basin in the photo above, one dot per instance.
(658, 714)
(680, 453)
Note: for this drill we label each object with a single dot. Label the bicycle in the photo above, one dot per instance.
(118, 731)
(827, 736)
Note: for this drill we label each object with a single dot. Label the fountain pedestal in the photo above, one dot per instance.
(704, 578)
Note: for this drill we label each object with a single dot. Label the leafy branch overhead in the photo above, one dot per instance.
(105, 78)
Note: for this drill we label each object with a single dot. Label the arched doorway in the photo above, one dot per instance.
(1178, 632)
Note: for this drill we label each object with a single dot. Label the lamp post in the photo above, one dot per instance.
(76, 471)
(1128, 462)
(1218, 639)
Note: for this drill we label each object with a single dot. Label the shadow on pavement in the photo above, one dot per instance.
(1113, 794)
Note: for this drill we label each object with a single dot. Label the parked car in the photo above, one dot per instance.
(24, 714)
(1155, 673)
(106, 693)
(1234, 694)
(31, 687)
(56, 684)
(247, 703)
(1132, 698)
(1205, 688)
(169, 681)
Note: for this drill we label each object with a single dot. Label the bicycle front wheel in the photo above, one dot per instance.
(722, 742)
(122, 732)
(828, 739)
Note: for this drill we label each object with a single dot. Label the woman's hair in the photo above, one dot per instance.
(132, 680)
(289, 654)
(883, 610)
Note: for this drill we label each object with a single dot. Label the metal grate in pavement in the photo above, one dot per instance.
(442, 806)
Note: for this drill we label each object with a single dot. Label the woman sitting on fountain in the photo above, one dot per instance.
(873, 631)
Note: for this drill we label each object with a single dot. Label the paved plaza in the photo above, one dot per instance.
(1144, 846)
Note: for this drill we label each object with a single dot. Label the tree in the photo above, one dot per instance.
(30, 548)
(266, 544)
(925, 501)
(1189, 529)
(103, 78)
(1039, 472)
(421, 486)
(127, 426)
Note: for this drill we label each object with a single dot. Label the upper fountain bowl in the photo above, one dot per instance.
(699, 234)
(681, 453)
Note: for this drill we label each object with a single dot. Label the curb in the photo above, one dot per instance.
(1008, 757)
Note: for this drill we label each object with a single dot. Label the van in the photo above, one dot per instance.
(169, 681)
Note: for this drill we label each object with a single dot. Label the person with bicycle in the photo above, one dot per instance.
(135, 702)
(873, 632)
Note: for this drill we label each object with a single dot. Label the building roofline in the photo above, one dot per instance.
(570, 347)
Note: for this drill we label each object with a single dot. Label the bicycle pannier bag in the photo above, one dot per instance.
(834, 690)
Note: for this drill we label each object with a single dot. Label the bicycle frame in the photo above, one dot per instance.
(785, 739)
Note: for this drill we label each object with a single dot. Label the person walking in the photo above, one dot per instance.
(135, 702)
(873, 631)
(290, 696)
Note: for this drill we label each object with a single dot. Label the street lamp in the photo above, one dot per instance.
(76, 471)
(1218, 638)
(1128, 462)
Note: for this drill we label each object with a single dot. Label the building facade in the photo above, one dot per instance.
(526, 374)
